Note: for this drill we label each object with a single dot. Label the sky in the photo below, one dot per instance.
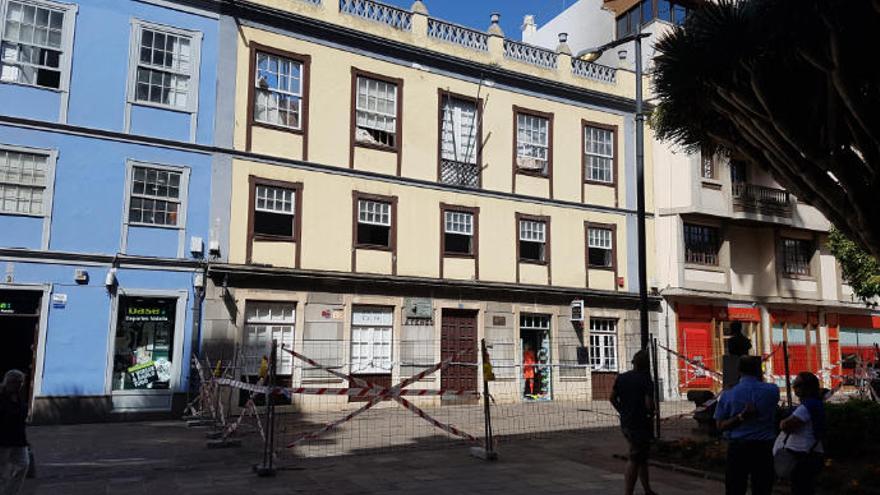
(475, 13)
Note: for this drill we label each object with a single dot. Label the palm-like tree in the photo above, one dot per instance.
(791, 86)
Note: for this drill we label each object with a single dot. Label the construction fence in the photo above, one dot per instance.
(350, 397)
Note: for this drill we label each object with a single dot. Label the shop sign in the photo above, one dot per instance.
(6, 308)
(145, 313)
(378, 318)
(59, 301)
(740, 313)
(577, 310)
(142, 375)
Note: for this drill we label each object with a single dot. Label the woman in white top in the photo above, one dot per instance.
(805, 429)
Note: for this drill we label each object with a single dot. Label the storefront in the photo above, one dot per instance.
(702, 334)
(20, 318)
(800, 330)
(147, 350)
(537, 374)
(857, 344)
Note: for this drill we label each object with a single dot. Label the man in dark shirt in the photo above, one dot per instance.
(13, 441)
(633, 398)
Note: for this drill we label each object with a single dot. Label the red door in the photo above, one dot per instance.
(458, 334)
(695, 342)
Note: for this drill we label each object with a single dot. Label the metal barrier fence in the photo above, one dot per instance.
(353, 397)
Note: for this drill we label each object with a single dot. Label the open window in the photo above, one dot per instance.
(533, 143)
(374, 219)
(600, 247)
(274, 211)
(377, 112)
(458, 232)
(532, 241)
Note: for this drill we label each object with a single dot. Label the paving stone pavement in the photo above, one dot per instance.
(167, 458)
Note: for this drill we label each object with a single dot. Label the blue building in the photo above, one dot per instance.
(106, 130)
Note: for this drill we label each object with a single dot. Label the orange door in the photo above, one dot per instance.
(695, 342)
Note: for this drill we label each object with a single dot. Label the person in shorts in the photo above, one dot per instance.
(633, 398)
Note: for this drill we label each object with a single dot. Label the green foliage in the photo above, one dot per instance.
(860, 269)
(784, 86)
(853, 429)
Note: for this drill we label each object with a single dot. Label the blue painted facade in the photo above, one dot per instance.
(86, 227)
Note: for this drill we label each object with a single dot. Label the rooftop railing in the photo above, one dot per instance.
(529, 54)
(378, 12)
(488, 47)
(458, 35)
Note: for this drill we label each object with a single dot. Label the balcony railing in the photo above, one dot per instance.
(460, 173)
(458, 35)
(761, 198)
(378, 12)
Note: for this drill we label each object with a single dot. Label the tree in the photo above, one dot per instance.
(790, 86)
(860, 270)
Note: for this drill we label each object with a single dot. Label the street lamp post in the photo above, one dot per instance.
(591, 55)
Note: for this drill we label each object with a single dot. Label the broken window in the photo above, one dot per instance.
(376, 112)
(532, 143)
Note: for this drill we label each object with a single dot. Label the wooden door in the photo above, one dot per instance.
(458, 334)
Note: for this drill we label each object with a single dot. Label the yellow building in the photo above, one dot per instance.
(403, 187)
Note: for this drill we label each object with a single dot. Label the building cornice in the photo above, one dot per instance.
(268, 277)
(92, 259)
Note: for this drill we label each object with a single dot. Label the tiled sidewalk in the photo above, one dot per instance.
(166, 458)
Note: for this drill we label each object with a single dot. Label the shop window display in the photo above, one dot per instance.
(144, 343)
(536, 369)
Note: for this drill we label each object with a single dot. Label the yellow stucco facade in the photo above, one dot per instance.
(326, 274)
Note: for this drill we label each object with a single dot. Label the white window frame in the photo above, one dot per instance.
(595, 242)
(275, 200)
(48, 191)
(375, 217)
(458, 222)
(371, 340)
(604, 341)
(454, 144)
(192, 100)
(529, 232)
(67, 30)
(273, 327)
(361, 108)
(526, 147)
(298, 95)
(591, 133)
(181, 213)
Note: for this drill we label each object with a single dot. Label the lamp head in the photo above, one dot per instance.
(591, 56)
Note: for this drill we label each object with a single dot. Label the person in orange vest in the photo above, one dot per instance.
(529, 362)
